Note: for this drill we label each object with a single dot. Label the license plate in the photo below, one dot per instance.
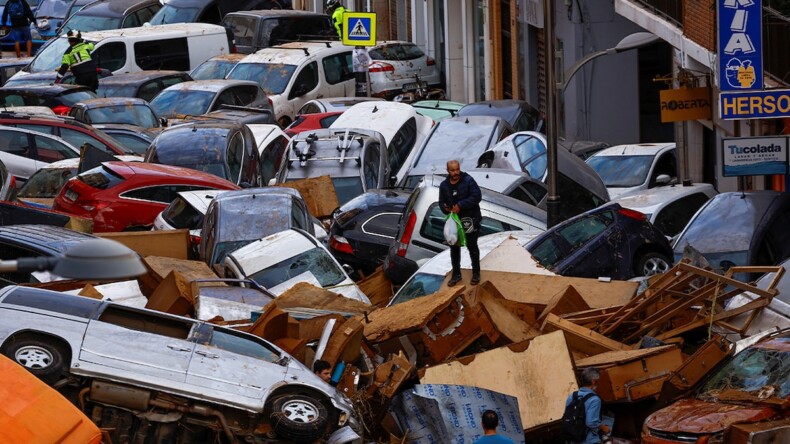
(71, 195)
(414, 85)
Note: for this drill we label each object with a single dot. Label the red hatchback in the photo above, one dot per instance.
(314, 121)
(122, 196)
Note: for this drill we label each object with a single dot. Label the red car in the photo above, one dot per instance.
(307, 122)
(123, 196)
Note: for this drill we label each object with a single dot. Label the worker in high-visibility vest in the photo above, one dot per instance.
(336, 10)
(78, 59)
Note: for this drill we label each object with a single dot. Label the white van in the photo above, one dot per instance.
(178, 47)
(293, 73)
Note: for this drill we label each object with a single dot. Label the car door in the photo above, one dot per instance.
(304, 88)
(591, 247)
(50, 150)
(228, 362)
(138, 344)
(338, 75)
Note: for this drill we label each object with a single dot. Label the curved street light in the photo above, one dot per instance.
(93, 259)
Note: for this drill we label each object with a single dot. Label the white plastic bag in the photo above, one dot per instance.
(451, 231)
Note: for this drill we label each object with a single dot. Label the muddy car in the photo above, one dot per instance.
(752, 387)
(143, 373)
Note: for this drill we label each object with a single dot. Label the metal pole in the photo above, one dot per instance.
(553, 199)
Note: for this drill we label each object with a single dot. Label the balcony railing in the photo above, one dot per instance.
(671, 10)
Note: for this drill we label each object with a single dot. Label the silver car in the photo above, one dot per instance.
(148, 372)
(24, 151)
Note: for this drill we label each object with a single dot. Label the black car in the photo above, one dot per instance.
(59, 97)
(133, 137)
(17, 241)
(519, 114)
(115, 14)
(608, 241)
(254, 30)
(209, 11)
(363, 229)
(224, 149)
(9, 67)
(141, 84)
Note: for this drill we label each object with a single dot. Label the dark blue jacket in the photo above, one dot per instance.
(465, 193)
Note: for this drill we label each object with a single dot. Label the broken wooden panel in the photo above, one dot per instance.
(294, 347)
(508, 317)
(521, 370)
(271, 325)
(565, 301)
(305, 295)
(165, 243)
(765, 432)
(390, 376)
(377, 287)
(347, 384)
(631, 375)
(581, 339)
(344, 343)
(318, 193)
(695, 367)
(389, 322)
(311, 329)
(173, 295)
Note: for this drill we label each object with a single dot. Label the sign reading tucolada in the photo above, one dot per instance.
(753, 156)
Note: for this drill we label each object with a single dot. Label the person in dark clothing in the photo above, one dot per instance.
(460, 194)
(490, 422)
(21, 17)
(78, 59)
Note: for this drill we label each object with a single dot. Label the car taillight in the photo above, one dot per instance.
(194, 240)
(431, 62)
(61, 110)
(270, 101)
(381, 67)
(92, 205)
(12, 185)
(632, 214)
(340, 244)
(406, 238)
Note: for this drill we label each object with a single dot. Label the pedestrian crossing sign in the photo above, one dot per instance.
(359, 28)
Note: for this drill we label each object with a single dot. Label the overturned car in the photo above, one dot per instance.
(148, 376)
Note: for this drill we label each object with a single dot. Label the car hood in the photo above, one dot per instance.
(702, 417)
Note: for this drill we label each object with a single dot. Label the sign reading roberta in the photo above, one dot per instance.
(359, 28)
(753, 156)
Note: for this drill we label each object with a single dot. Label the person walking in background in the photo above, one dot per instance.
(490, 422)
(20, 15)
(581, 422)
(336, 10)
(78, 59)
(323, 370)
(460, 194)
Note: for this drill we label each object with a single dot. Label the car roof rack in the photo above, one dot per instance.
(344, 144)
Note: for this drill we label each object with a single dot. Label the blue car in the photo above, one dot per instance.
(6, 43)
(609, 241)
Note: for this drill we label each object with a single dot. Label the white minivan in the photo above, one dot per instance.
(293, 73)
(179, 47)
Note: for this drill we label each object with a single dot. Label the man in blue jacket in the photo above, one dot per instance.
(460, 194)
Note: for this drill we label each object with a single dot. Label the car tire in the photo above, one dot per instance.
(299, 418)
(41, 357)
(651, 263)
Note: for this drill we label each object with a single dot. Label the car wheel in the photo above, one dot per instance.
(299, 418)
(651, 263)
(42, 358)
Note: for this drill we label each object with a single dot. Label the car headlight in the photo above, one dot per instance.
(716, 439)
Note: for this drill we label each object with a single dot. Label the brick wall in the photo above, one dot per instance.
(699, 22)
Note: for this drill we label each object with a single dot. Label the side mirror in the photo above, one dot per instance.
(663, 179)
(348, 269)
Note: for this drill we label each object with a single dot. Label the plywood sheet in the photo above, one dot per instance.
(160, 266)
(566, 301)
(580, 338)
(318, 193)
(377, 288)
(166, 243)
(304, 295)
(538, 289)
(541, 388)
(620, 356)
(510, 256)
(386, 323)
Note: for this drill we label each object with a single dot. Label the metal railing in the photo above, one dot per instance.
(671, 10)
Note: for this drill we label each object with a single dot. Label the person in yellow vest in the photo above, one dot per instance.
(336, 10)
(77, 58)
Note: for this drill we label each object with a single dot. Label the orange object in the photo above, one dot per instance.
(32, 412)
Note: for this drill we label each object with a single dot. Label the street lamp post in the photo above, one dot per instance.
(94, 259)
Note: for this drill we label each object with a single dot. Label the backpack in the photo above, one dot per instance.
(574, 420)
(16, 10)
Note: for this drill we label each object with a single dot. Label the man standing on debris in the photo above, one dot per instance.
(323, 370)
(460, 194)
(586, 429)
(490, 423)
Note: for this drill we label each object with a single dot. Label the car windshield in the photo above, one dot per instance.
(315, 261)
(454, 139)
(175, 14)
(139, 115)
(116, 90)
(273, 77)
(621, 171)
(86, 23)
(726, 224)
(135, 143)
(46, 182)
(396, 52)
(241, 220)
(531, 154)
(180, 214)
(69, 98)
(207, 156)
(212, 69)
(347, 188)
(754, 369)
(100, 177)
(174, 102)
(373, 199)
(419, 285)
(49, 57)
(53, 9)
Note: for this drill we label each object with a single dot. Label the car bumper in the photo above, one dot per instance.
(399, 269)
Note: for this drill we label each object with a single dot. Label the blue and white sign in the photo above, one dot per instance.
(766, 104)
(740, 45)
(754, 156)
